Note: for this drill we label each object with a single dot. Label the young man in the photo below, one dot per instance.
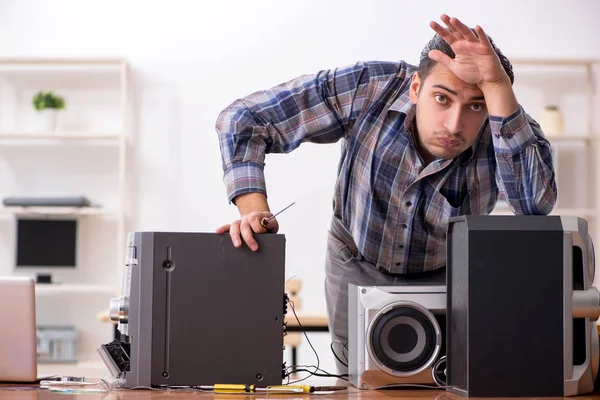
(419, 146)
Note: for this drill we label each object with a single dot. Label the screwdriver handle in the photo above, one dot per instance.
(265, 221)
(224, 388)
(303, 388)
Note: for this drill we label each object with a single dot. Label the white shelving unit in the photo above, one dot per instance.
(85, 155)
(574, 86)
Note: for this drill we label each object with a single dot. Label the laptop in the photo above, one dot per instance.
(18, 342)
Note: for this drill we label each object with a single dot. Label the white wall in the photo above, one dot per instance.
(191, 59)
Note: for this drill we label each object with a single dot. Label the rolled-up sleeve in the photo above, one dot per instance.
(524, 163)
(318, 108)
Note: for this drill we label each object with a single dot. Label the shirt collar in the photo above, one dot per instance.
(468, 154)
(404, 105)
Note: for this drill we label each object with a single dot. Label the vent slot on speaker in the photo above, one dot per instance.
(579, 341)
(578, 268)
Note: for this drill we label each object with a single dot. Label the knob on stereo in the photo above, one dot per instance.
(119, 310)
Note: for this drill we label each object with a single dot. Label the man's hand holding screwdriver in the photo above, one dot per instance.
(256, 218)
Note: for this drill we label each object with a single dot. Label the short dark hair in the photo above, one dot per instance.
(437, 43)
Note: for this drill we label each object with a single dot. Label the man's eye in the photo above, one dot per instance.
(440, 98)
(477, 107)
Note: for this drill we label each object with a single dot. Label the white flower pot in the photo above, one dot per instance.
(48, 119)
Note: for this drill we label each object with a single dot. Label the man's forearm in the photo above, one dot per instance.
(248, 202)
(500, 98)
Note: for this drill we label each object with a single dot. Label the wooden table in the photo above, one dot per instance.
(31, 392)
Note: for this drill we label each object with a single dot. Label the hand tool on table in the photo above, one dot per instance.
(311, 389)
(241, 388)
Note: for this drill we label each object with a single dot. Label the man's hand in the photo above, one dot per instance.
(253, 208)
(475, 60)
(476, 63)
(245, 228)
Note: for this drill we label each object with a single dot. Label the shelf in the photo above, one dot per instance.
(63, 73)
(42, 289)
(57, 211)
(34, 62)
(553, 61)
(29, 138)
(570, 138)
(88, 152)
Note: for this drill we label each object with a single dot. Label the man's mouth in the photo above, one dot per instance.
(448, 143)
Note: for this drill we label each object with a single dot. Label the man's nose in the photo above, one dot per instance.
(453, 122)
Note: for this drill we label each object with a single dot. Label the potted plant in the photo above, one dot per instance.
(48, 104)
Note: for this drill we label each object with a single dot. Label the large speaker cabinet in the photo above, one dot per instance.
(521, 306)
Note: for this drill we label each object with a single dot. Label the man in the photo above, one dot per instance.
(419, 146)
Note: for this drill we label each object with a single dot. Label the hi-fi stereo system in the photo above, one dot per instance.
(516, 316)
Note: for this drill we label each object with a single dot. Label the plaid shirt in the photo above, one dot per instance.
(396, 208)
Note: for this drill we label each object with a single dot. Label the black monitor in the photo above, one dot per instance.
(46, 243)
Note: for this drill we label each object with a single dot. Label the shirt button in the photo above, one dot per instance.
(400, 246)
(404, 226)
(408, 204)
(398, 264)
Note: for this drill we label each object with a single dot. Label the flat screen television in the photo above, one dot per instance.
(46, 243)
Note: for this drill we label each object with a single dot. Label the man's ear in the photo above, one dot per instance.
(415, 85)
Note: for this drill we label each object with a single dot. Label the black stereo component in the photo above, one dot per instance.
(197, 311)
(521, 306)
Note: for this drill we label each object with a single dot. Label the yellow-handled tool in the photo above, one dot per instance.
(310, 389)
(223, 388)
(241, 388)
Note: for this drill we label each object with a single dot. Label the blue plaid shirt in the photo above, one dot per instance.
(396, 208)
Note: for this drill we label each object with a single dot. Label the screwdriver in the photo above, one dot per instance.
(234, 388)
(311, 389)
(265, 221)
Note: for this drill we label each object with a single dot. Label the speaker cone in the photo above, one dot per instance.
(403, 338)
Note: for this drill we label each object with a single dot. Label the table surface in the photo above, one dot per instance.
(28, 391)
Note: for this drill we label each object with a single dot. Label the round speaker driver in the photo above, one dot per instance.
(403, 338)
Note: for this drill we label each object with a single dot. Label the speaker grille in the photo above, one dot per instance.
(404, 338)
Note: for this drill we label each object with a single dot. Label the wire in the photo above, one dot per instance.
(291, 303)
(345, 347)
(291, 277)
(294, 368)
(434, 372)
(325, 374)
(345, 364)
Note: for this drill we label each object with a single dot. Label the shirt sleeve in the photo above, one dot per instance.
(319, 108)
(524, 164)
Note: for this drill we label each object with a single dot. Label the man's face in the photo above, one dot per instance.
(449, 113)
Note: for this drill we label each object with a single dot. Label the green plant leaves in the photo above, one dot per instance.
(43, 100)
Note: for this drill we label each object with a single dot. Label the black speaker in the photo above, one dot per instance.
(521, 306)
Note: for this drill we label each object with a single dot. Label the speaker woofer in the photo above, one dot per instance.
(403, 338)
